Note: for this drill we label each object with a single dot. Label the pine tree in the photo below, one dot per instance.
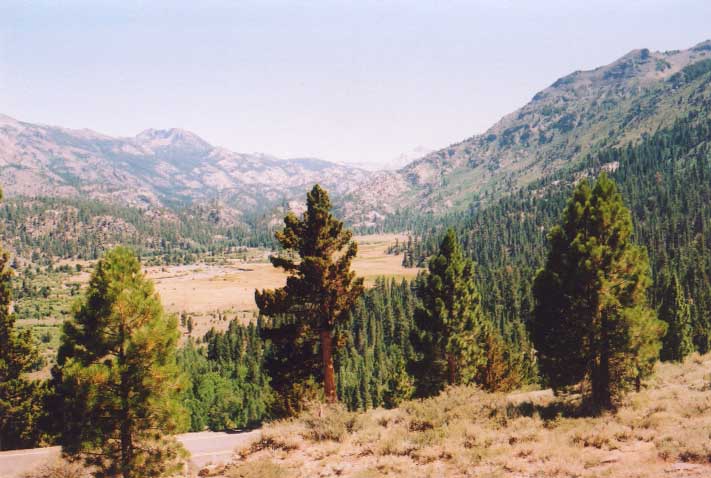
(118, 380)
(676, 312)
(320, 288)
(591, 317)
(20, 403)
(448, 321)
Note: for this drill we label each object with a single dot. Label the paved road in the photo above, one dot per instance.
(204, 447)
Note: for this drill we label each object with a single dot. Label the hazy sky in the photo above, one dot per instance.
(357, 82)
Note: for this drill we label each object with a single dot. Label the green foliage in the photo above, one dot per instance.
(454, 339)
(675, 311)
(117, 379)
(591, 317)
(321, 288)
(43, 228)
(449, 321)
(666, 180)
(691, 72)
(290, 342)
(372, 365)
(20, 399)
(229, 388)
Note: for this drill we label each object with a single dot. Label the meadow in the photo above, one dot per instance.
(212, 291)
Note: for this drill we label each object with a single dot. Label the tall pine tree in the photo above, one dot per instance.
(118, 380)
(676, 312)
(591, 316)
(20, 405)
(449, 322)
(321, 288)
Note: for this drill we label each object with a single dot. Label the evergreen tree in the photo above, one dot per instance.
(591, 317)
(292, 341)
(449, 321)
(118, 379)
(371, 367)
(321, 288)
(20, 401)
(675, 311)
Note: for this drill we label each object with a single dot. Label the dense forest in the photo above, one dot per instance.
(44, 229)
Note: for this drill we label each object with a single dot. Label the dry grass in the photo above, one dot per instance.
(665, 430)
(209, 290)
(263, 468)
(59, 469)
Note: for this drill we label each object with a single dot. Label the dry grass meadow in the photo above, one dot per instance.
(663, 431)
(213, 293)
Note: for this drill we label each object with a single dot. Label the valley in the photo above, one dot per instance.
(227, 288)
(211, 292)
(533, 301)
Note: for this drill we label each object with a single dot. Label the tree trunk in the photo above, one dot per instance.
(126, 448)
(452, 369)
(601, 387)
(329, 376)
(125, 416)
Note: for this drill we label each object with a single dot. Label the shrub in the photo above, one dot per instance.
(331, 422)
(263, 468)
(59, 469)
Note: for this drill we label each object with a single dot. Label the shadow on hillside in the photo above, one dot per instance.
(562, 406)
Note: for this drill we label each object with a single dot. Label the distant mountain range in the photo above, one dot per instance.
(577, 115)
(156, 168)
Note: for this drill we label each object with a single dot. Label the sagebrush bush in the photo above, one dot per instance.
(263, 468)
(332, 422)
(59, 469)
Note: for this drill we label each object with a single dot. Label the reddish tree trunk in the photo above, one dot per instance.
(329, 376)
(452, 368)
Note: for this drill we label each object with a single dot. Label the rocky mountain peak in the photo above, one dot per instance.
(171, 138)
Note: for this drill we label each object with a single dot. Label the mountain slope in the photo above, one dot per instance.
(578, 114)
(154, 168)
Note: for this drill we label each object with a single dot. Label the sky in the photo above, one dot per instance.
(352, 82)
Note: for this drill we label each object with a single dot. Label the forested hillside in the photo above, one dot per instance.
(49, 228)
(664, 179)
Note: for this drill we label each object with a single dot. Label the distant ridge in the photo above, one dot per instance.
(578, 114)
(155, 168)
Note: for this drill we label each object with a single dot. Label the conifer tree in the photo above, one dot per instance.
(20, 406)
(591, 316)
(676, 312)
(449, 321)
(320, 288)
(118, 382)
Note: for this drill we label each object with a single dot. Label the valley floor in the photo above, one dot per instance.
(665, 430)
